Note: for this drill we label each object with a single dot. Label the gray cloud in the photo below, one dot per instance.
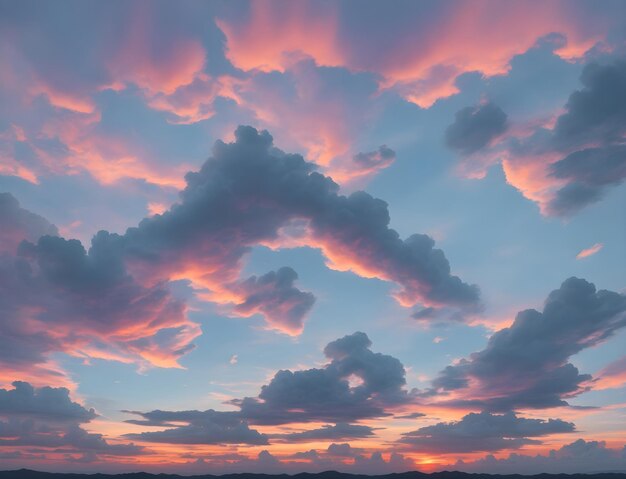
(325, 394)
(309, 395)
(475, 126)
(577, 457)
(342, 450)
(275, 296)
(588, 172)
(340, 431)
(247, 193)
(526, 364)
(45, 402)
(597, 112)
(589, 137)
(483, 432)
(413, 415)
(203, 427)
(384, 156)
(248, 190)
(46, 417)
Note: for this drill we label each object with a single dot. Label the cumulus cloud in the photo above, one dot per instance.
(310, 395)
(526, 364)
(47, 418)
(568, 166)
(474, 127)
(202, 427)
(325, 394)
(86, 297)
(577, 457)
(483, 432)
(248, 192)
(44, 402)
(275, 296)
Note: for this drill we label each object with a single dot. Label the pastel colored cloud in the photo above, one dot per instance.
(585, 253)
(574, 162)
(526, 365)
(259, 190)
(453, 38)
(483, 432)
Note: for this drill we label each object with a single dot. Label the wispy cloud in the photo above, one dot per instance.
(585, 253)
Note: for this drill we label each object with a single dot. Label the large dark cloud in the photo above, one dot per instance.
(45, 402)
(483, 432)
(475, 127)
(526, 365)
(202, 427)
(325, 394)
(248, 191)
(47, 418)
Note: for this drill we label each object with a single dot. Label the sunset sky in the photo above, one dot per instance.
(286, 236)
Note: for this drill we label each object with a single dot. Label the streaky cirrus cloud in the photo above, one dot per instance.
(586, 252)
(53, 87)
(612, 376)
(483, 432)
(527, 364)
(263, 35)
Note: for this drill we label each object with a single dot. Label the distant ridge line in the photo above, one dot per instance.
(30, 474)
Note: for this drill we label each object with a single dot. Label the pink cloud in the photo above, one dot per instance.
(585, 253)
(612, 376)
(452, 39)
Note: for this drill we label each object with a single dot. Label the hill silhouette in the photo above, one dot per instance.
(29, 474)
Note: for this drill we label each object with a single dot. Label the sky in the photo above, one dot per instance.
(286, 236)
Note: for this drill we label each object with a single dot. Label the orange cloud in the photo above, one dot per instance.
(585, 253)
(611, 377)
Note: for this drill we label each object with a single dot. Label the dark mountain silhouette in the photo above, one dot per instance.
(28, 474)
